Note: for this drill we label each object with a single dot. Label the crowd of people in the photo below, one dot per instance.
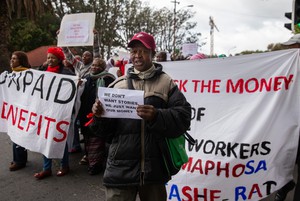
(126, 150)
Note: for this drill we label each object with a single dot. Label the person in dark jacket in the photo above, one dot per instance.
(94, 145)
(135, 163)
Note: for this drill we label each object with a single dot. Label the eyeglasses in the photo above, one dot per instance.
(133, 52)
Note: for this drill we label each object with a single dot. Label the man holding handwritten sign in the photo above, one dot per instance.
(135, 164)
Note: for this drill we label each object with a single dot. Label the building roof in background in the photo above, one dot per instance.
(38, 56)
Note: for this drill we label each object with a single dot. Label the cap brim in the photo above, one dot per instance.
(134, 40)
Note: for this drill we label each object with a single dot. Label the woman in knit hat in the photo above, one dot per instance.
(55, 57)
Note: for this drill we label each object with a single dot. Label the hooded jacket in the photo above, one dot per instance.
(134, 156)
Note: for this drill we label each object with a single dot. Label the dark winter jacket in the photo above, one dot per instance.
(87, 99)
(134, 155)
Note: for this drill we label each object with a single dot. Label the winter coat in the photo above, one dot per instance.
(88, 98)
(134, 156)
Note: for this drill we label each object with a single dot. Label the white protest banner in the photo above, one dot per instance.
(35, 109)
(120, 103)
(245, 118)
(77, 30)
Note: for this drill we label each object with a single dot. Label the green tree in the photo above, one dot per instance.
(116, 21)
(9, 11)
(28, 35)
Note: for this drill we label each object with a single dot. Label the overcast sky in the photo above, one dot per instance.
(243, 24)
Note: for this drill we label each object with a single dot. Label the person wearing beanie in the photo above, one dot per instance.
(19, 62)
(55, 58)
(135, 165)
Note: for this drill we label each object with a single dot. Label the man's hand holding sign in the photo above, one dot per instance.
(122, 103)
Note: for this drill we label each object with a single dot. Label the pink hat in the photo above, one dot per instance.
(145, 38)
(198, 56)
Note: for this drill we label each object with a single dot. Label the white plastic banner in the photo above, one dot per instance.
(35, 109)
(245, 112)
(245, 119)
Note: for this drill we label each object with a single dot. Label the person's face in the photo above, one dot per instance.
(160, 57)
(14, 61)
(141, 57)
(86, 57)
(96, 67)
(52, 60)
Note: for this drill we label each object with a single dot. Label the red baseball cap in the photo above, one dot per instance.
(145, 38)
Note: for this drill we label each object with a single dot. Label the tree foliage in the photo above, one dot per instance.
(118, 20)
(28, 24)
(28, 35)
(10, 11)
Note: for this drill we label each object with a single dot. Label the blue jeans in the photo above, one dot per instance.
(63, 163)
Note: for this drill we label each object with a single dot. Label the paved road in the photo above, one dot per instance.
(76, 186)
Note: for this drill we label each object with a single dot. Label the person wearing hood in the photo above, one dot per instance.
(135, 164)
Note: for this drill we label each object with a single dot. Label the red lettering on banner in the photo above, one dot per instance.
(185, 192)
(25, 120)
(194, 194)
(39, 125)
(64, 133)
(210, 86)
(235, 170)
(48, 125)
(253, 85)
(21, 118)
(30, 122)
(181, 84)
(3, 110)
(255, 189)
(225, 169)
(209, 165)
(11, 113)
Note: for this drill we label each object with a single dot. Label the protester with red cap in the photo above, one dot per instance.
(55, 58)
(135, 163)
